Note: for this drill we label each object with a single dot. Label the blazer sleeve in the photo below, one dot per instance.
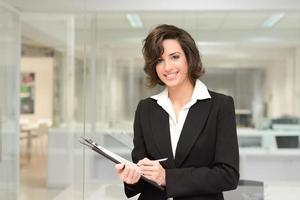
(223, 174)
(138, 153)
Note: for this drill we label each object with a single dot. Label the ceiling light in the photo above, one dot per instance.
(271, 21)
(134, 20)
(210, 43)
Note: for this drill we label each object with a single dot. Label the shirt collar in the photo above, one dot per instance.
(200, 92)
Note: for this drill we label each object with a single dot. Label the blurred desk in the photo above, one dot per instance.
(270, 165)
(264, 163)
(282, 190)
(263, 139)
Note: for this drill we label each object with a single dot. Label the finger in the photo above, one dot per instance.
(147, 167)
(119, 168)
(125, 172)
(148, 177)
(143, 161)
(147, 173)
(147, 163)
(132, 171)
(129, 173)
(156, 167)
(136, 176)
(152, 173)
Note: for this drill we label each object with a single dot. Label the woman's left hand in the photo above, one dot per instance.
(153, 170)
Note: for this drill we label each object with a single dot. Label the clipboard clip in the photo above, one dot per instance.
(87, 142)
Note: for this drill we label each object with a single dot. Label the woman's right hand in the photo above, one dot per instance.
(129, 173)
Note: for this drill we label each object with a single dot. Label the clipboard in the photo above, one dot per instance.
(112, 157)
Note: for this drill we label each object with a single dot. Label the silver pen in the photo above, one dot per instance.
(158, 160)
(161, 160)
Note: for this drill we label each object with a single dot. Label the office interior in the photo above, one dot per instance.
(75, 68)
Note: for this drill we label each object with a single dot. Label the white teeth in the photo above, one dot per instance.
(171, 75)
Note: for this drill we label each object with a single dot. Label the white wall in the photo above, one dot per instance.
(43, 69)
(297, 81)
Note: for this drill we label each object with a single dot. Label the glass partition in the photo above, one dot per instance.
(9, 105)
(53, 51)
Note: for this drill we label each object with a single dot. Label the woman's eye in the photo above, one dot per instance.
(159, 61)
(175, 57)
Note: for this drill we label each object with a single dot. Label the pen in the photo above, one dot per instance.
(162, 159)
(159, 160)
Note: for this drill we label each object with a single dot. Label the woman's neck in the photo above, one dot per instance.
(181, 95)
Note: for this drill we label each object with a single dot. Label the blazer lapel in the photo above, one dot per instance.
(161, 132)
(193, 125)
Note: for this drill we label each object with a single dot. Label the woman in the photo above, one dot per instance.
(188, 124)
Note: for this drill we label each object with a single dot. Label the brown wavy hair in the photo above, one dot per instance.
(153, 49)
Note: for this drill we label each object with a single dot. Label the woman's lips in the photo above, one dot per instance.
(171, 75)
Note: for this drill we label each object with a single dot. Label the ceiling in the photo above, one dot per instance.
(228, 32)
(152, 5)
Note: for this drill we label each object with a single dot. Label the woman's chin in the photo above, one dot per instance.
(172, 83)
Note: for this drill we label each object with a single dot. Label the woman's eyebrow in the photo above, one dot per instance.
(176, 52)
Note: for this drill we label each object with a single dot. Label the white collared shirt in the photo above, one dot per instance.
(200, 92)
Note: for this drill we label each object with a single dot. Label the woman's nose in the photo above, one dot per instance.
(168, 64)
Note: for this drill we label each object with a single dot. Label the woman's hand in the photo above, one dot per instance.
(129, 173)
(153, 171)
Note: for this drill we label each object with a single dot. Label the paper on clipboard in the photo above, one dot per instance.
(117, 157)
(113, 157)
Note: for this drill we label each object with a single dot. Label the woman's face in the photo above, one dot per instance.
(172, 67)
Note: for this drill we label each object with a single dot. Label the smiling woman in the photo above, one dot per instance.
(175, 122)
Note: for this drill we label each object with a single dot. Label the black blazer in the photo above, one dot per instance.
(207, 156)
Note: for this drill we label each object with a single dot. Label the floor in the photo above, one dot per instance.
(33, 170)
